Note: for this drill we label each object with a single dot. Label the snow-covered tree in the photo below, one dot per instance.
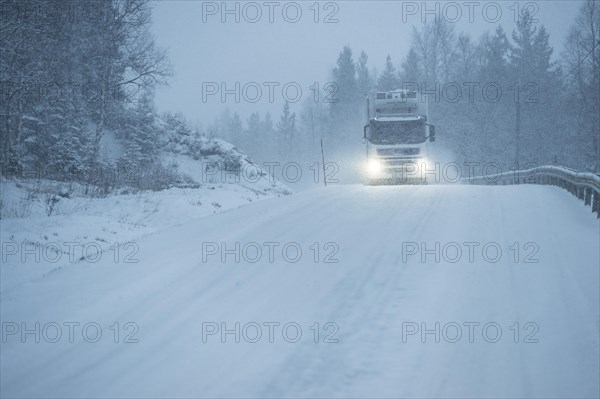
(582, 67)
(388, 80)
(411, 69)
(364, 81)
(286, 128)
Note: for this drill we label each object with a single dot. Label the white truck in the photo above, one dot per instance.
(397, 136)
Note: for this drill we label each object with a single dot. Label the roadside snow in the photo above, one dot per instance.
(82, 227)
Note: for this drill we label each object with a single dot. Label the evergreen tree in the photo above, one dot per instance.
(286, 128)
(141, 136)
(538, 87)
(388, 80)
(66, 158)
(267, 125)
(268, 147)
(235, 129)
(363, 80)
(522, 57)
(494, 56)
(347, 98)
(312, 120)
(411, 72)
(254, 126)
(254, 137)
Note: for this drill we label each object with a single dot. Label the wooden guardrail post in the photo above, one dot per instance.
(588, 196)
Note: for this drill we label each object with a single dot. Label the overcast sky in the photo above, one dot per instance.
(290, 48)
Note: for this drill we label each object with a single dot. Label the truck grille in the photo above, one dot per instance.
(390, 163)
(390, 152)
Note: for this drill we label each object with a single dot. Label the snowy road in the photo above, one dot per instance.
(541, 290)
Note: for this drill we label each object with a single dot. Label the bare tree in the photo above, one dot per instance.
(582, 59)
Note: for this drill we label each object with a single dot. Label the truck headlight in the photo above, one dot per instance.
(422, 164)
(374, 167)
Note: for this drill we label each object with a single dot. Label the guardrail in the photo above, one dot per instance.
(585, 186)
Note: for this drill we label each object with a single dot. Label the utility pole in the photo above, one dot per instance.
(323, 159)
(518, 134)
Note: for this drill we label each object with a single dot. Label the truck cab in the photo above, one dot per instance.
(397, 137)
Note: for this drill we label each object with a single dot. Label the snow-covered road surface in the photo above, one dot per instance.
(541, 293)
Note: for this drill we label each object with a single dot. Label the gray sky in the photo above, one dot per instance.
(276, 49)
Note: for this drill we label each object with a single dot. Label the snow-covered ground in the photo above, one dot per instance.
(37, 240)
(360, 288)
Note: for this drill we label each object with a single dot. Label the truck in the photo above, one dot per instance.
(397, 137)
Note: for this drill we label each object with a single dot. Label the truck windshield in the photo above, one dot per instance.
(397, 132)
